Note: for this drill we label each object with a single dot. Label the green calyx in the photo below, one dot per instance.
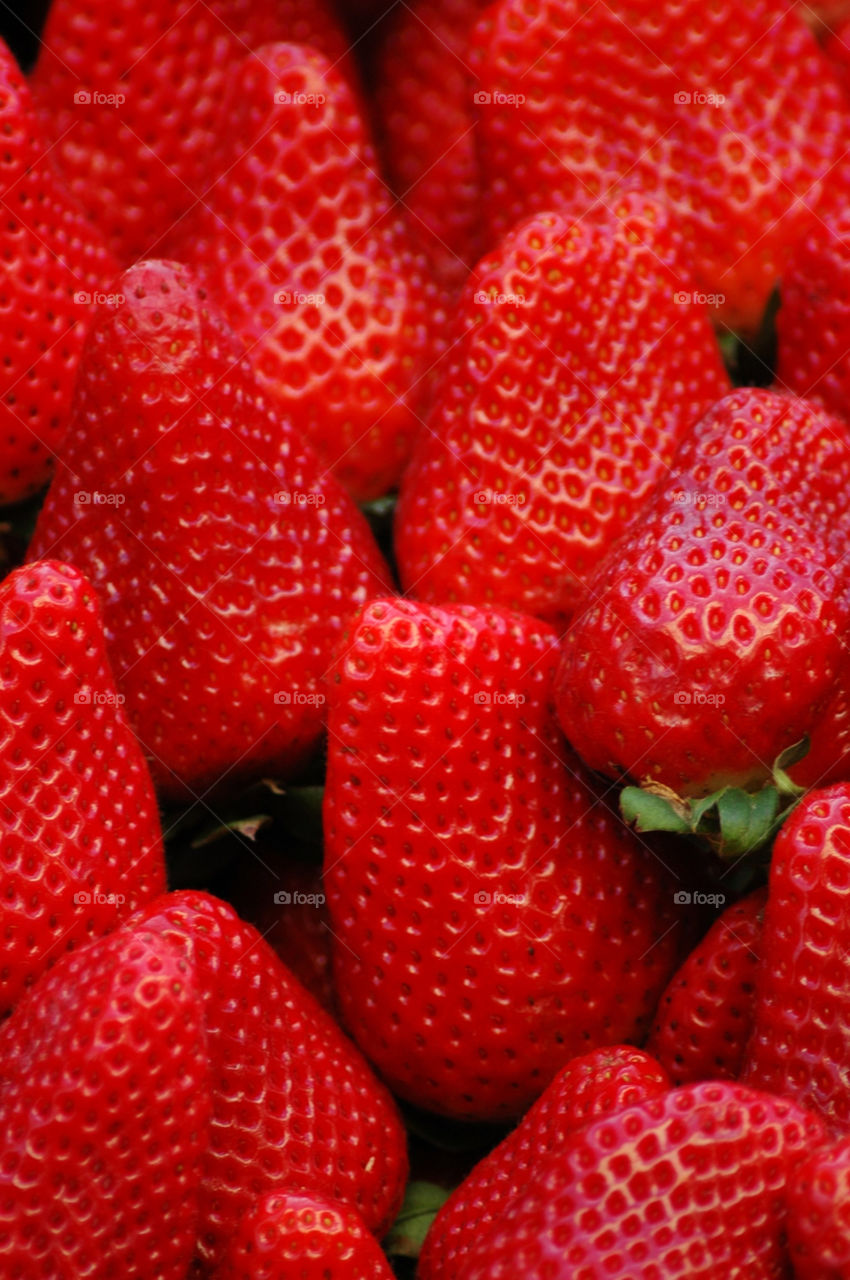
(731, 821)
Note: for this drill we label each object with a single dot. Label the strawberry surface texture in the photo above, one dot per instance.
(424, 640)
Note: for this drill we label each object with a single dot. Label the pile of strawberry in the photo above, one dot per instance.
(425, 641)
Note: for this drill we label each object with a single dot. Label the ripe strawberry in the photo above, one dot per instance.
(135, 95)
(705, 1016)
(819, 1215)
(732, 117)
(801, 1036)
(294, 1105)
(688, 1185)
(491, 917)
(426, 116)
(550, 429)
(285, 902)
(300, 245)
(226, 562)
(712, 637)
(836, 46)
(289, 1235)
(52, 259)
(80, 842)
(813, 322)
(598, 1084)
(104, 1107)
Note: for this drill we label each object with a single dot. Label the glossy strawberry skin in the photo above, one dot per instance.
(300, 245)
(104, 1107)
(613, 1201)
(442, 751)
(80, 840)
(191, 547)
(425, 117)
(705, 1016)
(291, 1234)
(712, 634)
(294, 1105)
(155, 151)
(52, 259)
(799, 1046)
(544, 439)
(732, 118)
(599, 1083)
(813, 322)
(819, 1215)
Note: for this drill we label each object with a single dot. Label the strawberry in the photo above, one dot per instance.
(800, 1041)
(687, 1185)
(134, 94)
(836, 46)
(300, 245)
(80, 842)
(731, 117)
(226, 562)
(491, 917)
(813, 322)
(819, 1215)
(289, 1234)
(425, 116)
(52, 262)
(550, 427)
(104, 1107)
(285, 902)
(705, 1016)
(293, 1105)
(600, 1083)
(712, 636)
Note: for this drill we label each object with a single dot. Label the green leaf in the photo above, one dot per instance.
(745, 820)
(649, 811)
(422, 1202)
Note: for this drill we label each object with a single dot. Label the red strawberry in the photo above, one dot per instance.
(226, 562)
(52, 261)
(289, 1235)
(104, 1107)
(80, 842)
(135, 95)
(552, 424)
(601, 1082)
(426, 114)
(705, 1016)
(712, 637)
(688, 1185)
(301, 247)
(294, 1105)
(800, 1044)
(813, 322)
(731, 117)
(836, 46)
(491, 917)
(819, 1215)
(285, 901)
